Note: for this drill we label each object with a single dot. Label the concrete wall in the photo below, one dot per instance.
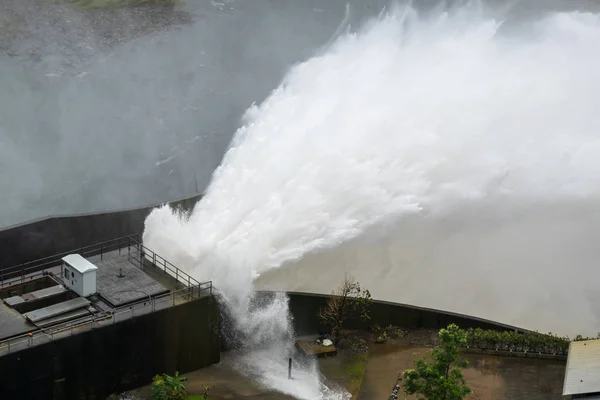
(115, 358)
(53, 235)
(304, 308)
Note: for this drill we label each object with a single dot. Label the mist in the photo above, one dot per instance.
(445, 158)
(94, 118)
(107, 110)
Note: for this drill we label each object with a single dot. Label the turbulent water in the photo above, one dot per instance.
(447, 159)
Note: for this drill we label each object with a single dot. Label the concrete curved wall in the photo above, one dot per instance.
(304, 308)
(56, 234)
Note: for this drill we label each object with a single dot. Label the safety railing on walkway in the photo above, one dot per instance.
(131, 244)
(115, 315)
(37, 268)
(145, 254)
(137, 253)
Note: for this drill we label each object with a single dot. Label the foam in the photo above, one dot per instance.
(440, 131)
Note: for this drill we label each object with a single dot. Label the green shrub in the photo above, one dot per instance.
(394, 332)
(166, 387)
(513, 341)
(529, 342)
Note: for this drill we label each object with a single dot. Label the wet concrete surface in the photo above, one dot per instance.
(226, 384)
(490, 378)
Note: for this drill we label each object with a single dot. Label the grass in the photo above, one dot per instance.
(346, 369)
(355, 370)
(196, 397)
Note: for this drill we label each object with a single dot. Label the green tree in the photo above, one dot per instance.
(440, 377)
(350, 300)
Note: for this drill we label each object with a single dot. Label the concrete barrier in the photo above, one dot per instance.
(304, 308)
(49, 236)
(117, 357)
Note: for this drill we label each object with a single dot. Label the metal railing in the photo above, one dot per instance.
(34, 269)
(37, 268)
(101, 319)
(138, 253)
(145, 254)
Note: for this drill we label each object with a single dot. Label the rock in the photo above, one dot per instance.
(327, 342)
(35, 29)
(12, 27)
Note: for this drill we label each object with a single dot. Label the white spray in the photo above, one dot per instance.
(440, 122)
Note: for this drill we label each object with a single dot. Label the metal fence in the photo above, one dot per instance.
(37, 268)
(145, 254)
(101, 319)
(138, 253)
(132, 244)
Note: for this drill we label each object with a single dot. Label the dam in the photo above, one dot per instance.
(445, 155)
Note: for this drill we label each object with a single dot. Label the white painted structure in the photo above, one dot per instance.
(79, 275)
(582, 376)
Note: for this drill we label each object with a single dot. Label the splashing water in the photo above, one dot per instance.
(416, 128)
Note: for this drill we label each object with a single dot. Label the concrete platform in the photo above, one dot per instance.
(65, 317)
(227, 383)
(134, 285)
(57, 309)
(12, 323)
(36, 295)
(309, 349)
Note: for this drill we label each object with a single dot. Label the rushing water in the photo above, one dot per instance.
(447, 159)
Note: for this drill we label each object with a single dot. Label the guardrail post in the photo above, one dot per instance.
(154, 258)
(173, 295)
(176, 274)
(101, 250)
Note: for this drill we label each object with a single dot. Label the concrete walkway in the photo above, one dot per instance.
(226, 382)
(490, 378)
